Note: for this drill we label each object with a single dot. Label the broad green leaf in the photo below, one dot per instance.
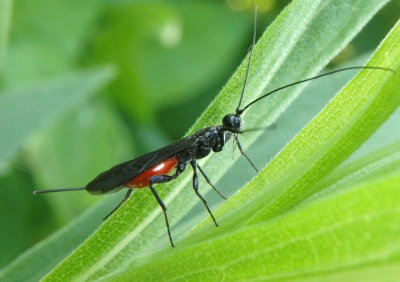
(372, 165)
(387, 134)
(347, 233)
(40, 259)
(25, 110)
(388, 272)
(298, 44)
(5, 16)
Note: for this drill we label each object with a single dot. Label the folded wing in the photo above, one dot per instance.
(116, 177)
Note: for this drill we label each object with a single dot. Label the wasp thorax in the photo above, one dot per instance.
(232, 122)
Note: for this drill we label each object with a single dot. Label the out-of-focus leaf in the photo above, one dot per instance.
(24, 111)
(5, 16)
(23, 219)
(101, 140)
(152, 43)
(47, 37)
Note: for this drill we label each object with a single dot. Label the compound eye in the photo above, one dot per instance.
(228, 121)
(232, 122)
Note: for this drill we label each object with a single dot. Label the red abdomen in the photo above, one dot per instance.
(142, 180)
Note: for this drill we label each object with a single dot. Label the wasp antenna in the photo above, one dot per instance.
(238, 111)
(308, 79)
(36, 192)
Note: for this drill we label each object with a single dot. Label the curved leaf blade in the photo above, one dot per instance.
(41, 258)
(336, 234)
(379, 162)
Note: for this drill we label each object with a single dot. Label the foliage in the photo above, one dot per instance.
(318, 210)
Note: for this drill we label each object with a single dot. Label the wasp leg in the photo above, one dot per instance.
(209, 183)
(164, 208)
(243, 153)
(128, 194)
(196, 190)
(162, 179)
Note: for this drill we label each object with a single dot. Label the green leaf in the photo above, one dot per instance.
(46, 39)
(26, 110)
(298, 44)
(40, 259)
(340, 235)
(381, 161)
(387, 134)
(5, 16)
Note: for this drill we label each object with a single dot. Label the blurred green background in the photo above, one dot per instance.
(171, 58)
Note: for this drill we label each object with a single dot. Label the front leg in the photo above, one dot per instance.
(243, 153)
(163, 179)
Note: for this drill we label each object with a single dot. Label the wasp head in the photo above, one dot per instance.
(232, 123)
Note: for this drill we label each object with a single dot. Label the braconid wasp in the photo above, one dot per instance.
(155, 167)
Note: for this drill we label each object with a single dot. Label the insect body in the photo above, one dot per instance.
(155, 167)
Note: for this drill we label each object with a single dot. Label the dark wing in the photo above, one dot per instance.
(113, 179)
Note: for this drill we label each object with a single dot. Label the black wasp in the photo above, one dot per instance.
(154, 167)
